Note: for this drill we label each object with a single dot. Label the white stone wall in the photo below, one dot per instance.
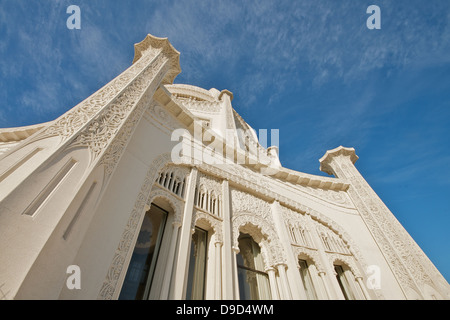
(76, 192)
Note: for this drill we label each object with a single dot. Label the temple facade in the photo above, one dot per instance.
(154, 190)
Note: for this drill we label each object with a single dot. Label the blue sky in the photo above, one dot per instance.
(311, 69)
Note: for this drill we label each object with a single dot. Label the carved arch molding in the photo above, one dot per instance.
(250, 214)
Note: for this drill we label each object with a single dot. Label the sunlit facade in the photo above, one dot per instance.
(162, 191)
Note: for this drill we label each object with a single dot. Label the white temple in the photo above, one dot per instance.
(154, 190)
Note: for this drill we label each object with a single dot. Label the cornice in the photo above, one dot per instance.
(20, 133)
(182, 114)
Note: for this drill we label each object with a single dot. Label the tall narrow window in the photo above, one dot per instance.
(197, 266)
(307, 281)
(140, 272)
(343, 283)
(253, 281)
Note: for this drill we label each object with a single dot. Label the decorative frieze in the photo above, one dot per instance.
(199, 105)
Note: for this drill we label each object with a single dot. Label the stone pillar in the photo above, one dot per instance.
(329, 282)
(292, 273)
(184, 243)
(229, 263)
(301, 285)
(273, 284)
(286, 292)
(325, 285)
(218, 270)
(318, 285)
(409, 264)
(170, 262)
(235, 274)
(363, 288)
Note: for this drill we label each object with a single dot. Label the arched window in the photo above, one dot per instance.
(138, 280)
(325, 241)
(253, 280)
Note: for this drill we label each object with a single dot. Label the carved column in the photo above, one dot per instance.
(363, 288)
(286, 292)
(327, 273)
(218, 270)
(318, 286)
(227, 252)
(235, 274)
(273, 284)
(170, 261)
(407, 261)
(184, 243)
(292, 272)
(325, 285)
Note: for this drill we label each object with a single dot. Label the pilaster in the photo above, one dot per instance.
(227, 251)
(292, 270)
(412, 269)
(184, 244)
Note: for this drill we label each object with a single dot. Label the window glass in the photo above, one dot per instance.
(140, 271)
(197, 266)
(253, 280)
(343, 283)
(307, 281)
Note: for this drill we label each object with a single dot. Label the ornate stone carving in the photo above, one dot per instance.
(412, 268)
(347, 260)
(105, 127)
(214, 223)
(252, 215)
(210, 183)
(109, 287)
(311, 254)
(161, 116)
(198, 105)
(337, 197)
(176, 204)
(73, 120)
